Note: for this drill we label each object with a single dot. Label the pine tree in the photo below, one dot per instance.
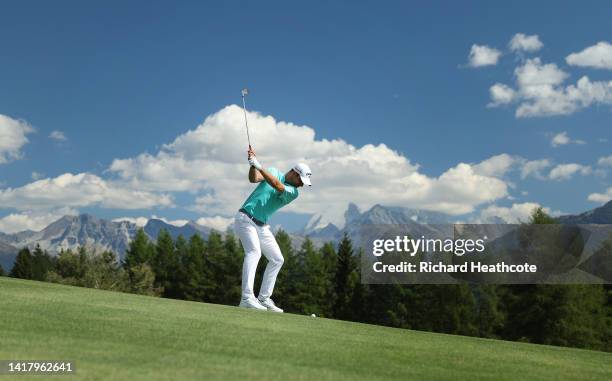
(194, 287)
(141, 250)
(447, 308)
(307, 280)
(292, 294)
(489, 315)
(165, 264)
(330, 261)
(138, 264)
(315, 283)
(568, 315)
(213, 263)
(389, 301)
(232, 270)
(607, 336)
(23, 267)
(344, 280)
(41, 263)
(390, 305)
(357, 303)
(540, 217)
(181, 249)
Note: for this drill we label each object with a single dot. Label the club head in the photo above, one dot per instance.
(245, 92)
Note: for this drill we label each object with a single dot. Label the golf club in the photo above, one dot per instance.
(245, 92)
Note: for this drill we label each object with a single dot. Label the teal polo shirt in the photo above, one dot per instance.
(265, 200)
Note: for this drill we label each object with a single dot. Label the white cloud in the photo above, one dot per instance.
(566, 171)
(605, 161)
(534, 168)
(483, 55)
(58, 135)
(562, 139)
(177, 223)
(211, 160)
(522, 42)
(142, 221)
(13, 136)
(496, 166)
(501, 94)
(540, 91)
(30, 220)
(597, 56)
(138, 221)
(218, 223)
(37, 175)
(537, 84)
(534, 77)
(514, 214)
(499, 165)
(79, 190)
(601, 197)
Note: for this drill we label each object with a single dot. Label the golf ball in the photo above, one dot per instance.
(313, 315)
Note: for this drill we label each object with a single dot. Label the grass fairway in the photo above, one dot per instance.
(119, 336)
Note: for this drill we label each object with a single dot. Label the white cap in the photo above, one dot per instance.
(304, 171)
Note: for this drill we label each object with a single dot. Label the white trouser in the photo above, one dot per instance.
(255, 240)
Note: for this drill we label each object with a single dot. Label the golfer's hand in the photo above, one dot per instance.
(254, 162)
(251, 152)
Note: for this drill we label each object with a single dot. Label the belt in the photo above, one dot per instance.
(257, 222)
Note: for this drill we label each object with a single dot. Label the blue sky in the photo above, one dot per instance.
(119, 79)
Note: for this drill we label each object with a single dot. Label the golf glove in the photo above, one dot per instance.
(254, 162)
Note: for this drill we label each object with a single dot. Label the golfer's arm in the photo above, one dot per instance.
(272, 180)
(255, 176)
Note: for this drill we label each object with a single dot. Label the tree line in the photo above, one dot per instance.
(326, 281)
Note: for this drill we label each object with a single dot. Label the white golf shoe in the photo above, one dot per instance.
(253, 303)
(269, 304)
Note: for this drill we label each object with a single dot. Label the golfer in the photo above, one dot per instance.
(274, 191)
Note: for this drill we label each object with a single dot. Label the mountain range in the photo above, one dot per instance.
(100, 234)
(71, 232)
(417, 222)
(601, 215)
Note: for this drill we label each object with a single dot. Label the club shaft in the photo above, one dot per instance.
(246, 122)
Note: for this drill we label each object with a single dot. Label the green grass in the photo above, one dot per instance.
(129, 337)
